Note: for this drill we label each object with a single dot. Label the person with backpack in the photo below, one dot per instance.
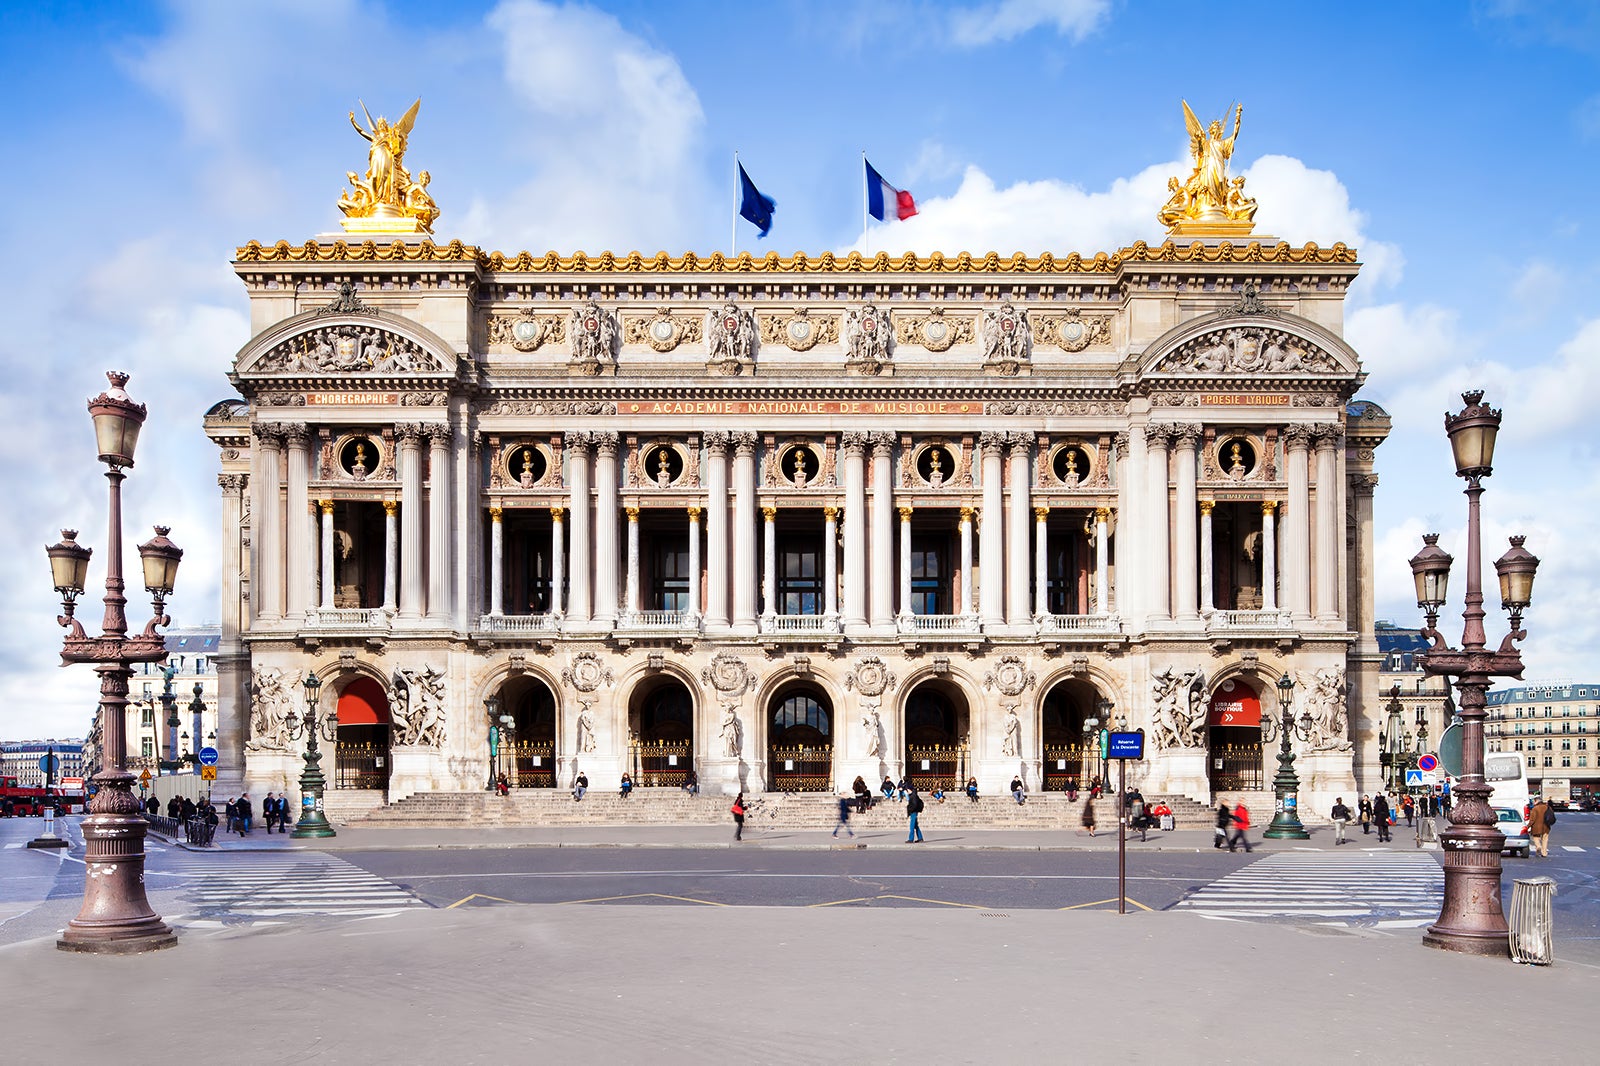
(1540, 819)
(913, 808)
(1341, 818)
(737, 810)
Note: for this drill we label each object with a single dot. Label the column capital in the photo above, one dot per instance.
(326, 505)
(577, 442)
(556, 513)
(1187, 434)
(390, 508)
(717, 441)
(991, 442)
(439, 434)
(1269, 506)
(232, 484)
(905, 512)
(882, 443)
(270, 434)
(296, 433)
(1363, 484)
(1328, 435)
(1041, 513)
(1298, 436)
(853, 441)
(744, 442)
(1206, 506)
(769, 514)
(632, 513)
(1157, 434)
(495, 514)
(831, 514)
(1019, 443)
(1102, 514)
(605, 443)
(694, 513)
(1119, 445)
(408, 432)
(966, 514)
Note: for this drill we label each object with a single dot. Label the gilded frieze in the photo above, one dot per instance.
(662, 331)
(935, 330)
(1072, 331)
(799, 331)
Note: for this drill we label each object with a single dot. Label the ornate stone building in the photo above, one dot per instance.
(790, 521)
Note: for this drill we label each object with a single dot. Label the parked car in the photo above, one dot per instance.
(1514, 824)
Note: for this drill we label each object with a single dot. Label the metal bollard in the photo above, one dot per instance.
(1532, 920)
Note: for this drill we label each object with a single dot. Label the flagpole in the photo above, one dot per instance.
(733, 240)
(866, 241)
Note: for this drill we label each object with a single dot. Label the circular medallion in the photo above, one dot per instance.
(1074, 336)
(662, 329)
(730, 323)
(799, 329)
(935, 330)
(869, 324)
(1008, 325)
(526, 334)
(591, 325)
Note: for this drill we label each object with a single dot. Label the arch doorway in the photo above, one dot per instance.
(361, 748)
(1233, 738)
(937, 721)
(1071, 757)
(800, 739)
(530, 758)
(660, 733)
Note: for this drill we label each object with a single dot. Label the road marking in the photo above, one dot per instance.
(641, 895)
(1378, 889)
(476, 895)
(1102, 902)
(1570, 847)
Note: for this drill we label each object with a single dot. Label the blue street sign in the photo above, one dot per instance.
(49, 764)
(1125, 746)
(208, 756)
(1415, 779)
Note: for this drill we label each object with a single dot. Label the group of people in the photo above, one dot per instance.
(1233, 826)
(240, 813)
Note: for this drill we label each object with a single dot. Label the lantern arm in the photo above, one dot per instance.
(1508, 646)
(67, 621)
(157, 620)
(1436, 638)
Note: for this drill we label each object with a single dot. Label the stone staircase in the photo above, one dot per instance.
(671, 806)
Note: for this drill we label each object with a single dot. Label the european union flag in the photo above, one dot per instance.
(754, 206)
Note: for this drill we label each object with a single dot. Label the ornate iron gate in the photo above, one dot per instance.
(659, 763)
(1067, 766)
(938, 766)
(1236, 768)
(802, 769)
(360, 766)
(535, 763)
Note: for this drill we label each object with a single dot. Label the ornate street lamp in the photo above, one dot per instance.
(491, 709)
(1390, 745)
(1091, 728)
(116, 917)
(313, 821)
(1104, 707)
(1472, 917)
(1286, 784)
(169, 702)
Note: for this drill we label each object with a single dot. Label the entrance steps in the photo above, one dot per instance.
(815, 810)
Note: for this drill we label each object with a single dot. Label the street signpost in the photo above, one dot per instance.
(208, 773)
(1122, 746)
(1428, 763)
(208, 756)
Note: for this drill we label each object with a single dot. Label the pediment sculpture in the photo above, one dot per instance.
(1249, 350)
(347, 349)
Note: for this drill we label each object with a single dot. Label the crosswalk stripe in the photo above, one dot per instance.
(1377, 889)
(267, 888)
(1570, 847)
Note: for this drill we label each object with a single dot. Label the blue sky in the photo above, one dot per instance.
(1454, 144)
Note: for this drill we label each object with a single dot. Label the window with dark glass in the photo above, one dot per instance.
(930, 574)
(669, 575)
(800, 574)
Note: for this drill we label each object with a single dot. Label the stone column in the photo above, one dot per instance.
(717, 529)
(607, 516)
(1102, 560)
(234, 570)
(991, 539)
(496, 561)
(1132, 460)
(745, 578)
(391, 553)
(882, 583)
(1208, 578)
(1329, 528)
(630, 597)
(853, 444)
(966, 561)
(580, 602)
(905, 562)
(1187, 436)
(266, 586)
(1019, 446)
(1041, 561)
(439, 440)
(769, 561)
(830, 562)
(299, 506)
(410, 437)
(327, 553)
(558, 560)
(1269, 555)
(1157, 525)
(694, 610)
(1296, 517)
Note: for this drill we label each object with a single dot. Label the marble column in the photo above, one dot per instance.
(496, 561)
(1187, 437)
(717, 570)
(234, 565)
(327, 553)
(266, 588)
(1329, 528)
(439, 440)
(1102, 561)
(630, 597)
(905, 562)
(882, 569)
(410, 437)
(1296, 519)
(769, 561)
(391, 554)
(830, 562)
(745, 577)
(1133, 458)
(1208, 577)
(693, 609)
(966, 562)
(607, 516)
(558, 560)
(1041, 562)
(853, 444)
(1269, 555)
(301, 562)
(1157, 526)
(1019, 447)
(991, 539)
(580, 603)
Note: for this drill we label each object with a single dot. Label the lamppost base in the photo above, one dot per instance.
(314, 824)
(1286, 829)
(1472, 916)
(116, 918)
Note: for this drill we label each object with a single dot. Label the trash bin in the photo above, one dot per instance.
(1531, 920)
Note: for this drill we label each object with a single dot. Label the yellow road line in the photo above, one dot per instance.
(1102, 902)
(837, 902)
(477, 895)
(640, 895)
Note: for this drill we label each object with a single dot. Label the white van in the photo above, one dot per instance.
(1507, 775)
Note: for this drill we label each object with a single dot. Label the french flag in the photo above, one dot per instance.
(884, 200)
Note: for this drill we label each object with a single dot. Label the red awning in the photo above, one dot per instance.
(1235, 703)
(363, 703)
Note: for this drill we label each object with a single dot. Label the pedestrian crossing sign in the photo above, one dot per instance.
(1416, 778)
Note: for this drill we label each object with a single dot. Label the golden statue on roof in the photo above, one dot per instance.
(387, 200)
(1209, 203)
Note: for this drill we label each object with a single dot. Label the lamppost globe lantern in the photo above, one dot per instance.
(69, 565)
(1430, 569)
(313, 687)
(160, 558)
(1285, 692)
(117, 420)
(1472, 435)
(1516, 569)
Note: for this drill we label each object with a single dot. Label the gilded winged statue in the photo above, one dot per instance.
(387, 195)
(1209, 195)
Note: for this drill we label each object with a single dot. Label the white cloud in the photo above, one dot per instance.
(1400, 344)
(1538, 290)
(1008, 19)
(1300, 204)
(1565, 391)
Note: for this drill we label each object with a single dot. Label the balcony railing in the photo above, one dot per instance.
(1094, 624)
(379, 618)
(520, 623)
(1251, 620)
(936, 624)
(672, 621)
(800, 623)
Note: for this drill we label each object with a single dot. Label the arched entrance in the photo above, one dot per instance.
(660, 732)
(800, 739)
(937, 721)
(361, 750)
(1233, 737)
(530, 755)
(1071, 757)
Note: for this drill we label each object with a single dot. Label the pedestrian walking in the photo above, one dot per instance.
(1136, 818)
(844, 816)
(1241, 829)
(1224, 820)
(269, 811)
(283, 812)
(737, 811)
(1380, 814)
(1088, 814)
(1341, 818)
(245, 813)
(913, 809)
(1540, 819)
(1408, 805)
(1366, 815)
